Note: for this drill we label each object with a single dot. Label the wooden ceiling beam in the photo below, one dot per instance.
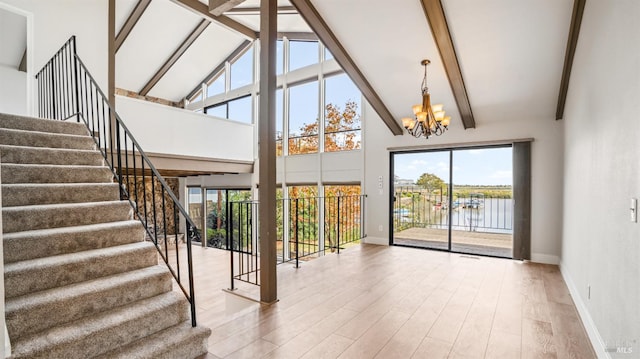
(175, 56)
(328, 38)
(217, 7)
(23, 62)
(572, 42)
(131, 22)
(203, 10)
(282, 10)
(438, 22)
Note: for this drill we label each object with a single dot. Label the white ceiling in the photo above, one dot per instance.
(13, 38)
(511, 53)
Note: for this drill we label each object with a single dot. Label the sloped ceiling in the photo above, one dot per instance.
(510, 52)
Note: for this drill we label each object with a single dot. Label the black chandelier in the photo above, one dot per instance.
(429, 120)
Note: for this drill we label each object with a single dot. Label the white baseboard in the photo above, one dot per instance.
(382, 241)
(545, 258)
(587, 321)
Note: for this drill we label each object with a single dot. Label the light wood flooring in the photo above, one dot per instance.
(393, 302)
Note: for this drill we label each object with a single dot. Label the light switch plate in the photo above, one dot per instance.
(634, 210)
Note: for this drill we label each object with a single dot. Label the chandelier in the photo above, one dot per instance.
(429, 120)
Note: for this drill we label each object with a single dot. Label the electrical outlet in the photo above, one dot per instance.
(588, 291)
(380, 228)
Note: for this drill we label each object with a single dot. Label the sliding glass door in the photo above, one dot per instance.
(458, 200)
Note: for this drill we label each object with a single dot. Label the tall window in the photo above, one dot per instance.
(303, 118)
(342, 114)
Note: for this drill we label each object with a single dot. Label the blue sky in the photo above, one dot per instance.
(488, 166)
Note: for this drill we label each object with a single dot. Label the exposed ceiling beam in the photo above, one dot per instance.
(217, 7)
(282, 10)
(23, 63)
(175, 56)
(235, 53)
(203, 10)
(162, 101)
(572, 42)
(294, 35)
(440, 30)
(131, 22)
(328, 38)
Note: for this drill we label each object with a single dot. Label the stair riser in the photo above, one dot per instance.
(31, 245)
(180, 341)
(35, 124)
(32, 319)
(36, 278)
(33, 155)
(107, 338)
(39, 139)
(13, 173)
(26, 195)
(17, 219)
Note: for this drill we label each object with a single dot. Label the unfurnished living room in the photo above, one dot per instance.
(320, 178)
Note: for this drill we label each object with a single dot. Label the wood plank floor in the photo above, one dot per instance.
(393, 302)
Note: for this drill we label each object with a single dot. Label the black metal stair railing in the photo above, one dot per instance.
(65, 90)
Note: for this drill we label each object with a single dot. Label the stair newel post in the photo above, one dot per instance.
(296, 234)
(75, 77)
(338, 223)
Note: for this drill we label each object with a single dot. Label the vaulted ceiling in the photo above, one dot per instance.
(510, 53)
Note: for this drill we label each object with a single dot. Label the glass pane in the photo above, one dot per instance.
(420, 205)
(342, 114)
(279, 57)
(194, 200)
(217, 86)
(242, 70)
(303, 118)
(302, 53)
(241, 109)
(279, 121)
(216, 213)
(219, 111)
(342, 215)
(482, 219)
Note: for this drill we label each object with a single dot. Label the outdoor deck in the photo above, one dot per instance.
(494, 244)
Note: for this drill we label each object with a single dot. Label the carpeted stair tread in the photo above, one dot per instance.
(53, 156)
(26, 218)
(45, 139)
(31, 276)
(179, 341)
(36, 173)
(39, 243)
(32, 313)
(91, 336)
(26, 194)
(44, 125)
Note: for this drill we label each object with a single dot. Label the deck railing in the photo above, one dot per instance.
(469, 212)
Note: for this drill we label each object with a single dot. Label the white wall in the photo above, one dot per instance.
(601, 246)
(170, 130)
(547, 162)
(13, 91)
(50, 23)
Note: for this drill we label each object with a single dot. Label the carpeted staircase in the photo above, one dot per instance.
(80, 281)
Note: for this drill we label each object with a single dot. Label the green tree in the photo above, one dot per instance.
(430, 182)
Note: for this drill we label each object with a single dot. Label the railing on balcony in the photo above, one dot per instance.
(306, 228)
(472, 212)
(66, 90)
